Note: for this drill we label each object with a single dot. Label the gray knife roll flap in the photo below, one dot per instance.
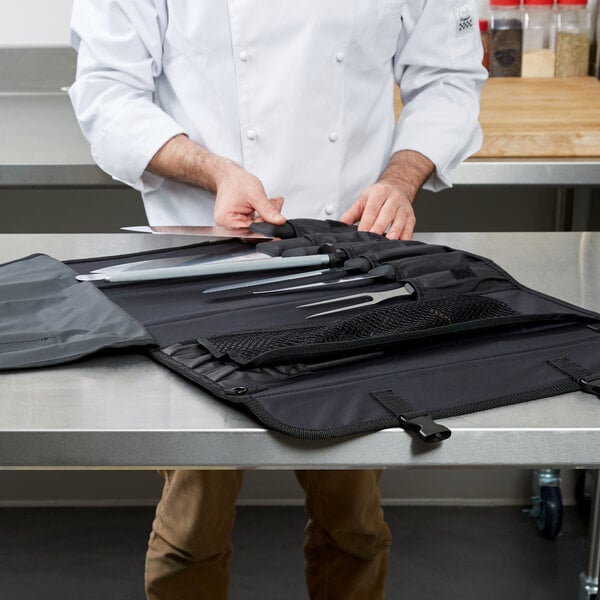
(47, 317)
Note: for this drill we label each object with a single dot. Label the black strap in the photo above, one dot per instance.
(588, 380)
(419, 422)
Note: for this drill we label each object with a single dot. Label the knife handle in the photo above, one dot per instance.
(301, 251)
(284, 231)
(281, 247)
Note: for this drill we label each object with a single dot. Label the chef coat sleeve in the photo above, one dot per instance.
(119, 44)
(438, 68)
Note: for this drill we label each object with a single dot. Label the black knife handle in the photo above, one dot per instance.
(284, 231)
(281, 247)
(301, 251)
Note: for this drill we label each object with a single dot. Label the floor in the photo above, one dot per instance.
(451, 553)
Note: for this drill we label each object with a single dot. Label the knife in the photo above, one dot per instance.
(258, 282)
(317, 284)
(256, 231)
(350, 266)
(247, 266)
(382, 272)
(184, 261)
(264, 250)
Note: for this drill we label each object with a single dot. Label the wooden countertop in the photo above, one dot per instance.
(534, 118)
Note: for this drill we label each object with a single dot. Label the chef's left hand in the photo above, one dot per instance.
(388, 203)
(381, 205)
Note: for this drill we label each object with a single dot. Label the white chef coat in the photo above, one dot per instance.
(297, 92)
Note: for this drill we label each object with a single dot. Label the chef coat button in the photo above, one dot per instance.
(333, 135)
(330, 209)
(340, 56)
(251, 134)
(244, 56)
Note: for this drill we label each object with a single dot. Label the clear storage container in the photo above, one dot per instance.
(573, 28)
(506, 39)
(538, 38)
(485, 42)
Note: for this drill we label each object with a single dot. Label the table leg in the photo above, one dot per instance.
(588, 580)
(563, 209)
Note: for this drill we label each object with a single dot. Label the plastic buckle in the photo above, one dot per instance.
(591, 386)
(426, 428)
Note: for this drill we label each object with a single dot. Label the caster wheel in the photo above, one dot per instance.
(548, 513)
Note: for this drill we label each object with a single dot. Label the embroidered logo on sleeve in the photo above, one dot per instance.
(465, 19)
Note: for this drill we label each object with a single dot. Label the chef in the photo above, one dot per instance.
(233, 110)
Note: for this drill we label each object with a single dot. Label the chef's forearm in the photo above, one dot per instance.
(183, 160)
(408, 170)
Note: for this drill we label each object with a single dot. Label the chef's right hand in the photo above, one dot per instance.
(241, 199)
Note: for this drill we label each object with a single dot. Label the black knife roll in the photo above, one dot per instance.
(469, 338)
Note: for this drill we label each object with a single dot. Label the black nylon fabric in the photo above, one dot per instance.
(311, 243)
(463, 374)
(443, 381)
(260, 353)
(368, 328)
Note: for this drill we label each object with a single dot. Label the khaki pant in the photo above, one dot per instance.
(346, 547)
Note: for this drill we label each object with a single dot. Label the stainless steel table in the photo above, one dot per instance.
(129, 412)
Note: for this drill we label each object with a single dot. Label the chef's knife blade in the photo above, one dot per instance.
(214, 231)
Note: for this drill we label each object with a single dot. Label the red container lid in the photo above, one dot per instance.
(572, 2)
(515, 3)
(538, 2)
(483, 25)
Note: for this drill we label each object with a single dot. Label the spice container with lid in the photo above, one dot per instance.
(506, 39)
(485, 42)
(573, 27)
(538, 38)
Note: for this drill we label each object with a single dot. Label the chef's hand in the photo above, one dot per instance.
(380, 205)
(387, 204)
(241, 199)
(240, 196)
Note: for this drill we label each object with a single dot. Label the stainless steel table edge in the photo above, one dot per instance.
(260, 449)
(85, 175)
(560, 172)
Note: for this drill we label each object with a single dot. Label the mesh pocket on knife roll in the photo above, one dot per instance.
(363, 330)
